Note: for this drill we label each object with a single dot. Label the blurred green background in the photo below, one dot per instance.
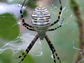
(64, 39)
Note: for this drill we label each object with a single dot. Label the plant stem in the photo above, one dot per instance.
(77, 12)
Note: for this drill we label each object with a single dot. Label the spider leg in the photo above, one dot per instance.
(57, 55)
(23, 3)
(23, 20)
(57, 26)
(54, 57)
(58, 15)
(32, 29)
(52, 48)
(28, 48)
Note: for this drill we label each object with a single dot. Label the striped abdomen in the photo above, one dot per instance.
(41, 19)
(41, 16)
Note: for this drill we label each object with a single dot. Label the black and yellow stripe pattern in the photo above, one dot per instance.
(29, 27)
(40, 21)
(41, 16)
(57, 26)
(52, 49)
(58, 15)
(29, 48)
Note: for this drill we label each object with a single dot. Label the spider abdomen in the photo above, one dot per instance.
(41, 17)
(41, 20)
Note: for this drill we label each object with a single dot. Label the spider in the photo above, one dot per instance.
(41, 23)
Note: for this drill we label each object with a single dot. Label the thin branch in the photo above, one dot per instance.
(77, 12)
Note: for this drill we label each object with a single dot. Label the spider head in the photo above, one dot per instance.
(41, 16)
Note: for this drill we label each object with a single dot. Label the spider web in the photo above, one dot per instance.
(81, 53)
(16, 47)
(27, 37)
(68, 19)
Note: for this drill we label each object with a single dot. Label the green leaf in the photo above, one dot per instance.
(32, 3)
(9, 28)
(29, 59)
(6, 57)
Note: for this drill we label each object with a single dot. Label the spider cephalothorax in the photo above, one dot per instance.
(41, 23)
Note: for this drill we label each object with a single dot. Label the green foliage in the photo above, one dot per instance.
(9, 28)
(3, 0)
(32, 3)
(25, 13)
(29, 59)
(6, 57)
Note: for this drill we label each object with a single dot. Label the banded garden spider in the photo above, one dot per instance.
(41, 23)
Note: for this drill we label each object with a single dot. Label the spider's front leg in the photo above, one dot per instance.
(58, 15)
(23, 20)
(28, 49)
(52, 49)
(57, 26)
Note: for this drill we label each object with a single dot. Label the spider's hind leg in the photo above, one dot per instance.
(28, 48)
(54, 57)
(52, 49)
(22, 55)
